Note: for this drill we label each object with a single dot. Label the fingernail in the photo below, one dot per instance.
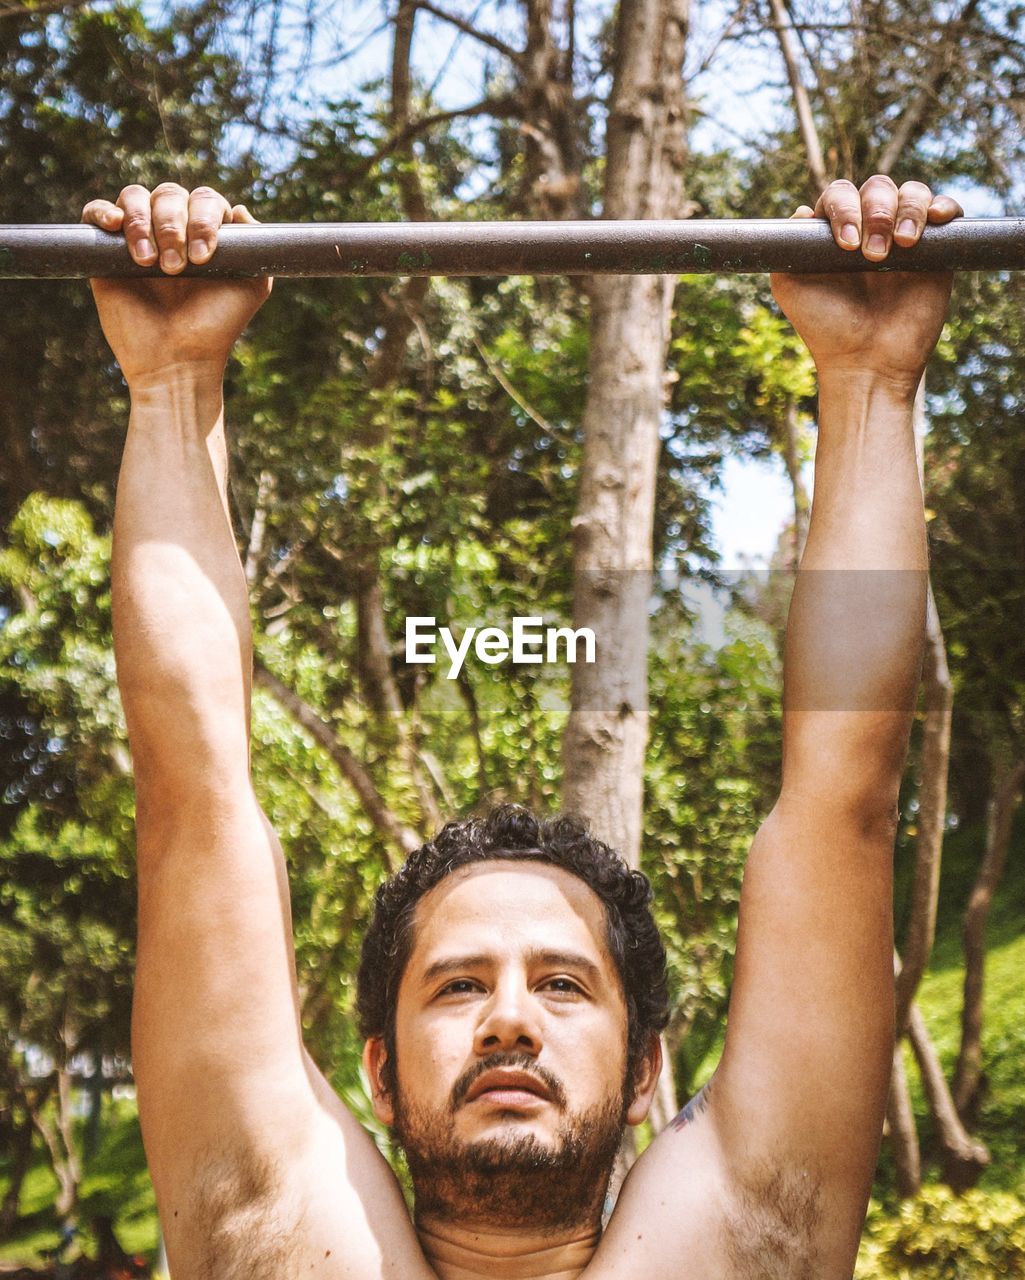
(906, 228)
(199, 250)
(143, 249)
(850, 234)
(171, 260)
(876, 244)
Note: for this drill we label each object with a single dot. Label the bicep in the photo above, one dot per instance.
(216, 1037)
(803, 1080)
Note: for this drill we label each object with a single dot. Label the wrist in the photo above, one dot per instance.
(200, 377)
(897, 388)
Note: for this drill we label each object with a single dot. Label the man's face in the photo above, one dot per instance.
(511, 1045)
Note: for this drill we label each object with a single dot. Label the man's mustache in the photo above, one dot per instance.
(514, 1062)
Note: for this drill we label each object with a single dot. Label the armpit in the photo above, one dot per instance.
(772, 1227)
(243, 1223)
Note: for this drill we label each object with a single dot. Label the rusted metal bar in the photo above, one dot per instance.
(517, 248)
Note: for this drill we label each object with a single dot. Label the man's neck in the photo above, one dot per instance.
(480, 1253)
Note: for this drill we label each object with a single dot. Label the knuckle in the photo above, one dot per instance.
(135, 220)
(203, 226)
(879, 214)
(170, 189)
(206, 193)
(168, 229)
(134, 190)
(879, 180)
(842, 205)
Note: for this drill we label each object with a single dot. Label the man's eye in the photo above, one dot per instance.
(563, 985)
(459, 987)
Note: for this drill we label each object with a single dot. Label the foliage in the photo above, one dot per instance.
(90, 100)
(941, 1236)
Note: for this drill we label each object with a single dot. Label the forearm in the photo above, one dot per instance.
(855, 630)
(182, 633)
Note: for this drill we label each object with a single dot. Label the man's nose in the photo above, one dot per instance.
(511, 1021)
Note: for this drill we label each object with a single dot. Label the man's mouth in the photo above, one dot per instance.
(508, 1088)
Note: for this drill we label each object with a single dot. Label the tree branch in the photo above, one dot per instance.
(802, 104)
(910, 123)
(503, 107)
(461, 24)
(374, 804)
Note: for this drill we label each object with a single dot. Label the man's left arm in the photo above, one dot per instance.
(770, 1171)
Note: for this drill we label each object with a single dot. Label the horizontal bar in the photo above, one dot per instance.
(685, 247)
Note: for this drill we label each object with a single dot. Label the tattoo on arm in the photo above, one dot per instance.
(697, 1106)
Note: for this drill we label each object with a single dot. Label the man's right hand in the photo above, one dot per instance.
(158, 326)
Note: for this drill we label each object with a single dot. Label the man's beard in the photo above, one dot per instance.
(512, 1179)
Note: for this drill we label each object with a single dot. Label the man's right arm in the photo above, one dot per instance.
(256, 1164)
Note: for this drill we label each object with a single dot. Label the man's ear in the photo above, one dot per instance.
(645, 1081)
(374, 1057)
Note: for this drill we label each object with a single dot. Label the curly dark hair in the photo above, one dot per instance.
(512, 832)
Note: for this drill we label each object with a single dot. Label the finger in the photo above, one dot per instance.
(943, 208)
(841, 204)
(803, 211)
(170, 214)
(241, 214)
(103, 214)
(878, 212)
(207, 210)
(913, 200)
(137, 224)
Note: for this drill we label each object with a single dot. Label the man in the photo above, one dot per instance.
(512, 1004)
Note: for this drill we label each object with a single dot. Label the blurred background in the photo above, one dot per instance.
(415, 448)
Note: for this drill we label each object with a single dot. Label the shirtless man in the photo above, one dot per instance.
(512, 1047)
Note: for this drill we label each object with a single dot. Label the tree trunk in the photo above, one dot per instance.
(606, 735)
(605, 738)
(550, 123)
(902, 1131)
(60, 1145)
(384, 370)
(962, 1158)
(938, 697)
(1003, 804)
(20, 1161)
(932, 813)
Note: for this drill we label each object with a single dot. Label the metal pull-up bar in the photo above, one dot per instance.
(686, 247)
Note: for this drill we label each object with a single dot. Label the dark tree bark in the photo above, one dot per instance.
(962, 1158)
(1003, 805)
(938, 697)
(901, 1129)
(18, 1140)
(550, 126)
